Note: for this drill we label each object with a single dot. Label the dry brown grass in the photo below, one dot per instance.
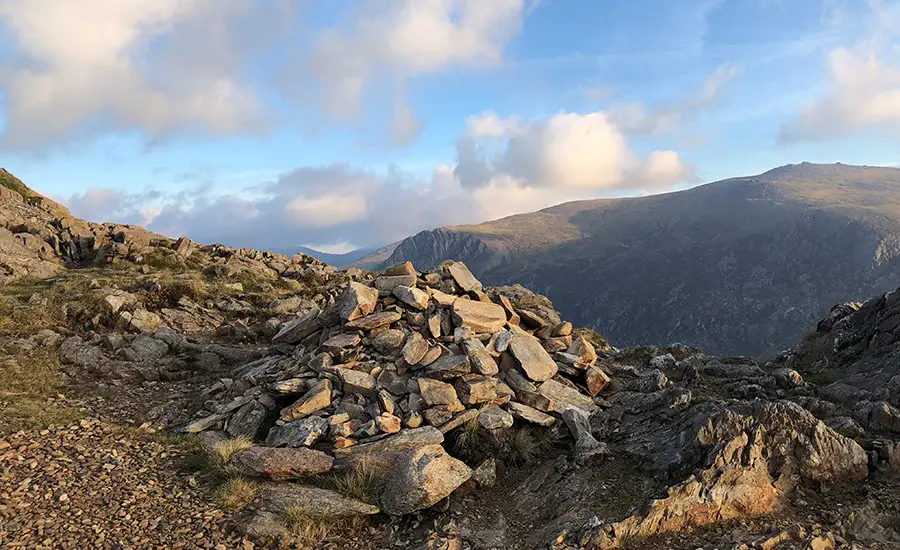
(224, 450)
(365, 481)
(307, 532)
(236, 493)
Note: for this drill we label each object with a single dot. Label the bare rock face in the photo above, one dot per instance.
(422, 478)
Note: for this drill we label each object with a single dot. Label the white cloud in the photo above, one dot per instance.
(638, 119)
(394, 39)
(336, 248)
(863, 88)
(325, 211)
(864, 93)
(566, 151)
(96, 65)
(504, 166)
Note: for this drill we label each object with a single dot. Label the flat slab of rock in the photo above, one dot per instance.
(532, 357)
(449, 367)
(387, 283)
(481, 317)
(282, 464)
(356, 381)
(312, 501)
(402, 441)
(411, 296)
(423, 477)
(464, 277)
(529, 414)
(415, 348)
(341, 341)
(375, 320)
(316, 399)
(494, 418)
(481, 360)
(561, 397)
(302, 433)
(358, 300)
(298, 329)
(473, 389)
(435, 392)
(458, 420)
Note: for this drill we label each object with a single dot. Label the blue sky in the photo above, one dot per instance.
(345, 123)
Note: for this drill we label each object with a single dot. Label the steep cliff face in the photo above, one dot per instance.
(738, 266)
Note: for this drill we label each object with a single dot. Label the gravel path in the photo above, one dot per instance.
(91, 485)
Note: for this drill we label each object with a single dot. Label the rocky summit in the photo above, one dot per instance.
(156, 392)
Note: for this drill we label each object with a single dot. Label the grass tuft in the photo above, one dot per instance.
(236, 493)
(224, 450)
(365, 481)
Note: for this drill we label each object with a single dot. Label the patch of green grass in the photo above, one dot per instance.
(28, 383)
(28, 413)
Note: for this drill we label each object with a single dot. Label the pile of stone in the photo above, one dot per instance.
(401, 361)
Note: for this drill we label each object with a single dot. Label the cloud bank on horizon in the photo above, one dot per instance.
(276, 123)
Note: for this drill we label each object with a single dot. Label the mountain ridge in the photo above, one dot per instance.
(743, 234)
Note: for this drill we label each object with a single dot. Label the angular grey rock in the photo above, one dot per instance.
(300, 433)
(463, 417)
(580, 428)
(464, 277)
(485, 475)
(389, 341)
(298, 329)
(387, 283)
(358, 300)
(481, 360)
(412, 297)
(449, 367)
(415, 348)
(422, 478)
(529, 414)
(561, 397)
(340, 342)
(494, 418)
(481, 317)
(532, 357)
(247, 421)
(355, 381)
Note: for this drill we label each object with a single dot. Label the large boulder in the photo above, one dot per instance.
(421, 478)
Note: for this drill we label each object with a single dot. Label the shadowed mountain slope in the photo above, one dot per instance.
(738, 266)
